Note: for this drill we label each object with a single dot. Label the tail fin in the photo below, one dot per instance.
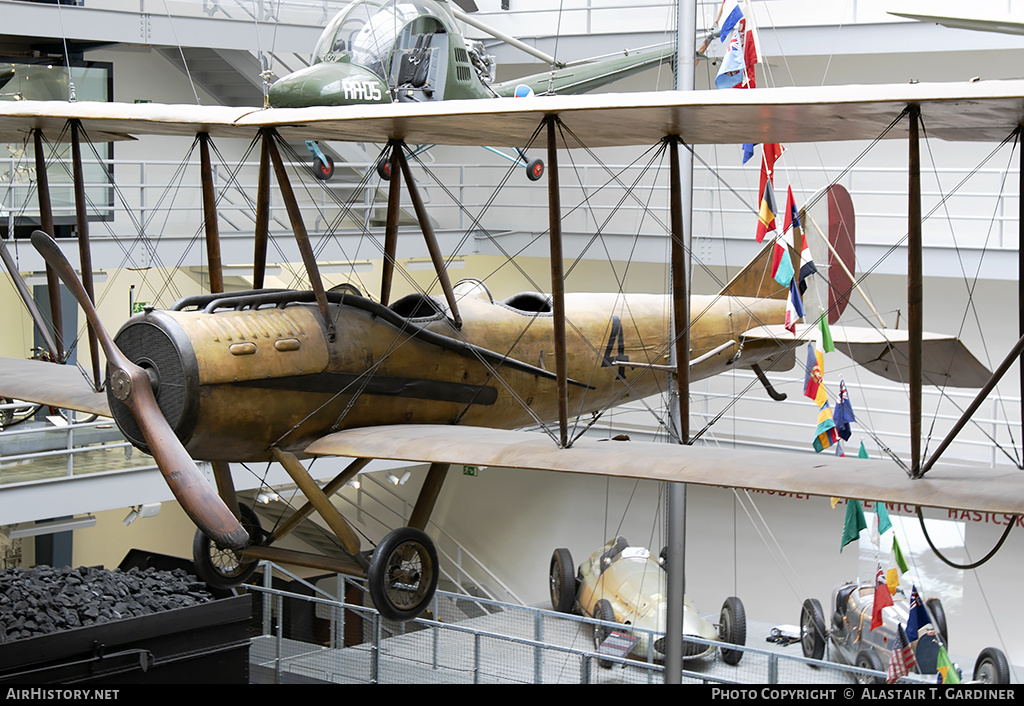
(829, 230)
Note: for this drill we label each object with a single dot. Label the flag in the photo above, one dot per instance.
(826, 430)
(881, 525)
(730, 22)
(839, 449)
(826, 334)
(814, 383)
(782, 263)
(730, 73)
(844, 414)
(863, 453)
(883, 599)
(794, 306)
(902, 659)
(899, 566)
(918, 617)
(791, 219)
(806, 267)
(766, 214)
(853, 523)
(748, 151)
(947, 672)
(770, 153)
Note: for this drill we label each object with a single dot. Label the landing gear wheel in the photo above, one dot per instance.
(603, 611)
(992, 667)
(563, 581)
(812, 629)
(323, 171)
(403, 574)
(939, 617)
(221, 567)
(732, 628)
(535, 169)
(869, 659)
(384, 169)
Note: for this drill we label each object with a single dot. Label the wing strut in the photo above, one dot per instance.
(262, 234)
(84, 250)
(210, 216)
(915, 291)
(46, 225)
(557, 285)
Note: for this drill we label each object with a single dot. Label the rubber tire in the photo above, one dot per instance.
(322, 171)
(812, 629)
(386, 559)
(217, 574)
(939, 615)
(732, 628)
(993, 665)
(603, 611)
(868, 659)
(562, 579)
(384, 169)
(535, 169)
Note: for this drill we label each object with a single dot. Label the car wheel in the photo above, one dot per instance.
(812, 629)
(562, 579)
(869, 659)
(939, 619)
(992, 667)
(732, 628)
(603, 611)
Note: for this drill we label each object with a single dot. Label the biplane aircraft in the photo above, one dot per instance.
(412, 51)
(452, 379)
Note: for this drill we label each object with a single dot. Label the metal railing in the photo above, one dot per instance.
(304, 638)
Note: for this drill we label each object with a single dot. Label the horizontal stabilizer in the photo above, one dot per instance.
(980, 489)
(42, 382)
(946, 362)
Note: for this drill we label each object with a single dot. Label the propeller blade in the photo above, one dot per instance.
(130, 384)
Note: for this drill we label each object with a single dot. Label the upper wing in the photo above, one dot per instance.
(984, 110)
(945, 359)
(51, 384)
(984, 490)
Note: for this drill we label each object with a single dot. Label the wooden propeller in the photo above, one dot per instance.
(131, 384)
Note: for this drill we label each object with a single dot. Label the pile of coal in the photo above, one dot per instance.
(44, 600)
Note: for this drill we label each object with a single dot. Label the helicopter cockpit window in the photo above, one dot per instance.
(336, 40)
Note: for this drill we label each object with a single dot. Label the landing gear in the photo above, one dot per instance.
(323, 165)
(403, 574)
(535, 169)
(732, 629)
(223, 568)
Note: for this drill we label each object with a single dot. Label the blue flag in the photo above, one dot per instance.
(843, 413)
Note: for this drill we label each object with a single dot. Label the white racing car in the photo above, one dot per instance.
(626, 585)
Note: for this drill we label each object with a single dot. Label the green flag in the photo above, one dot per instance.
(898, 554)
(882, 515)
(863, 453)
(826, 334)
(853, 523)
(945, 668)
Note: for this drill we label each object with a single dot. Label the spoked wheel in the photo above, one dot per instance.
(224, 568)
(992, 667)
(732, 628)
(403, 574)
(535, 169)
(812, 629)
(562, 581)
(603, 611)
(869, 659)
(324, 170)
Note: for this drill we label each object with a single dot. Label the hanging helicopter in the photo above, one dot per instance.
(412, 51)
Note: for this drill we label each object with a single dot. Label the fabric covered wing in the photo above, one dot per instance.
(46, 383)
(983, 490)
(946, 362)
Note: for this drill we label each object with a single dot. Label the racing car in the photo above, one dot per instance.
(624, 584)
(851, 640)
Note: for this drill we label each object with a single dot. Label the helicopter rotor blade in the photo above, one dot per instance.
(130, 384)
